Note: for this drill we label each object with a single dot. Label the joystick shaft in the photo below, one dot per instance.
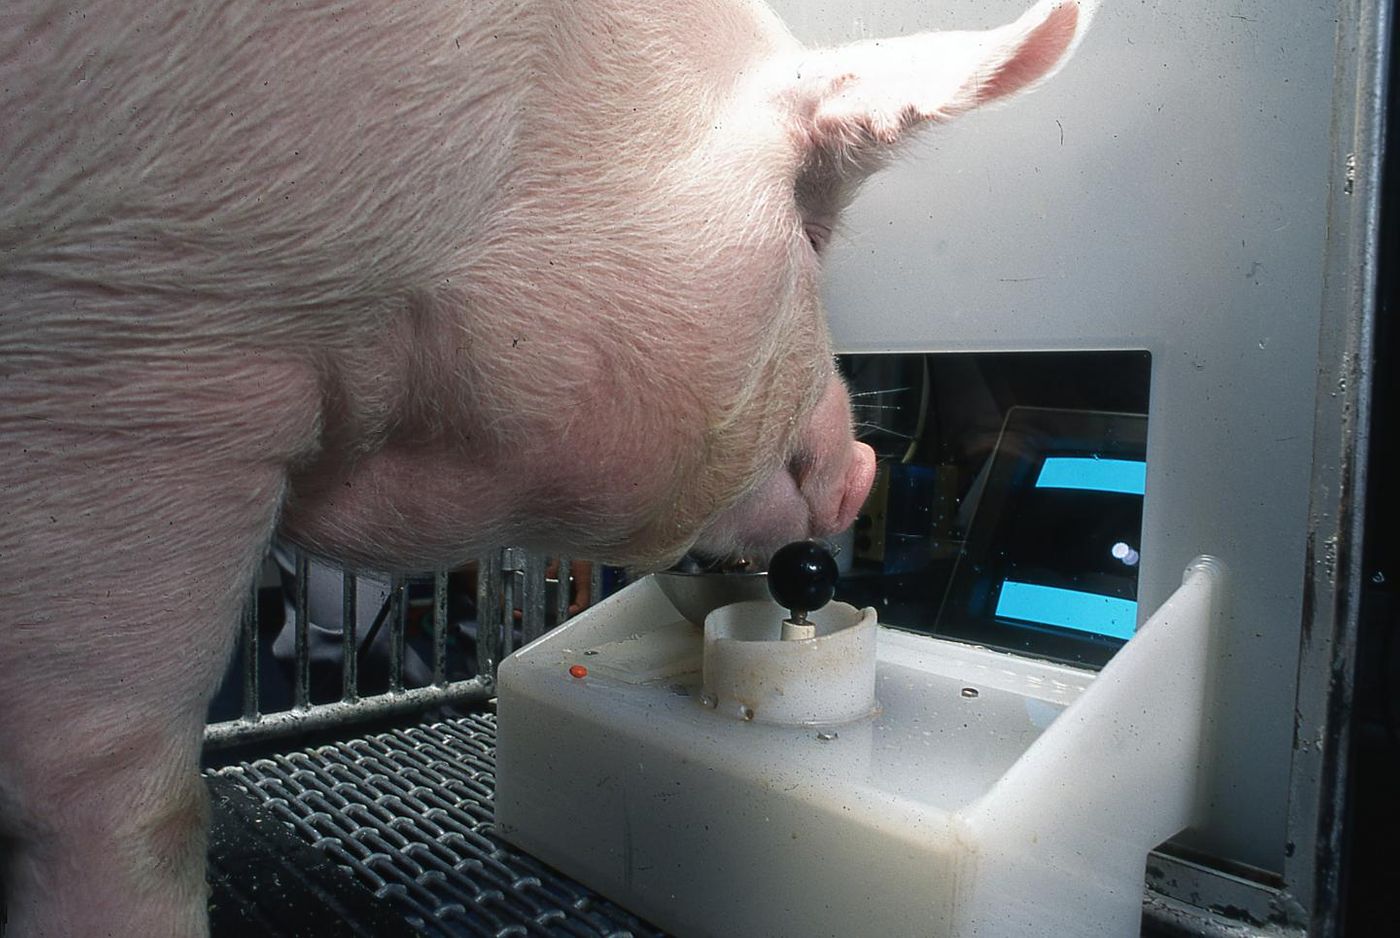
(802, 579)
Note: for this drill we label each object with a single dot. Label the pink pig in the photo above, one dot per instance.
(409, 280)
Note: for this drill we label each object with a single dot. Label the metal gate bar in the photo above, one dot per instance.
(507, 580)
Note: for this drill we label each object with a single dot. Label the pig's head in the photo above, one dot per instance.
(685, 227)
(605, 268)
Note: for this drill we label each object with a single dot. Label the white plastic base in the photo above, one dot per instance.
(758, 667)
(991, 795)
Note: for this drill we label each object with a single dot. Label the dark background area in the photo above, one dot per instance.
(1371, 870)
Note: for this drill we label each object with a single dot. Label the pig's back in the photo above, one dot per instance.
(252, 166)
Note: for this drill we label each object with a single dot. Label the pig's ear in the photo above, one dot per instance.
(870, 93)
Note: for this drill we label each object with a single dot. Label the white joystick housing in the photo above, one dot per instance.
(750, 672)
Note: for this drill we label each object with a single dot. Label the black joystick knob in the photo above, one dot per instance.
(802, 577)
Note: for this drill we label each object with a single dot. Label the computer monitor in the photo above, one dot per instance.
(1049, 567)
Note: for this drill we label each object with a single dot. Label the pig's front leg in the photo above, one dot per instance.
(126, 561)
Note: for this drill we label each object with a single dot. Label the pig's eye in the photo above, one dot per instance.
(817, 234)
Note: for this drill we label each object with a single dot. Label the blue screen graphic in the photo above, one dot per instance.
(1078, 610)
(1124, 476)
(1067, 609)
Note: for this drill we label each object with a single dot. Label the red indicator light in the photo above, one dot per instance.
(578, 670)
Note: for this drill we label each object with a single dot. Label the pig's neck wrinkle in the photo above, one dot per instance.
(411, 506)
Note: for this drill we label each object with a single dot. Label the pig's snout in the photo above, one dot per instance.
(817, 493)
(834, 471)
(859, 477)
(832, 503)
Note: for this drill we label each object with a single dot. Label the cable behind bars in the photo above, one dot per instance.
(510, 582)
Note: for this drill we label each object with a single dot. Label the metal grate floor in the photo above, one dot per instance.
(408, 813)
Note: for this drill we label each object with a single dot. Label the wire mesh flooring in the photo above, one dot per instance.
(389, 834)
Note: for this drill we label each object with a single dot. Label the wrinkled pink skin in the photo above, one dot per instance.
(815, 491)
(411, 280)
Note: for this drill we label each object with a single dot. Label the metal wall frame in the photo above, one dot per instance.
(1189, 898)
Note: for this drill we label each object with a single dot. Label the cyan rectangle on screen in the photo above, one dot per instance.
(1126, 476)
(1068, 609)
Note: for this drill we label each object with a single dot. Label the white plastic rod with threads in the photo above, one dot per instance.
(794, 631)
